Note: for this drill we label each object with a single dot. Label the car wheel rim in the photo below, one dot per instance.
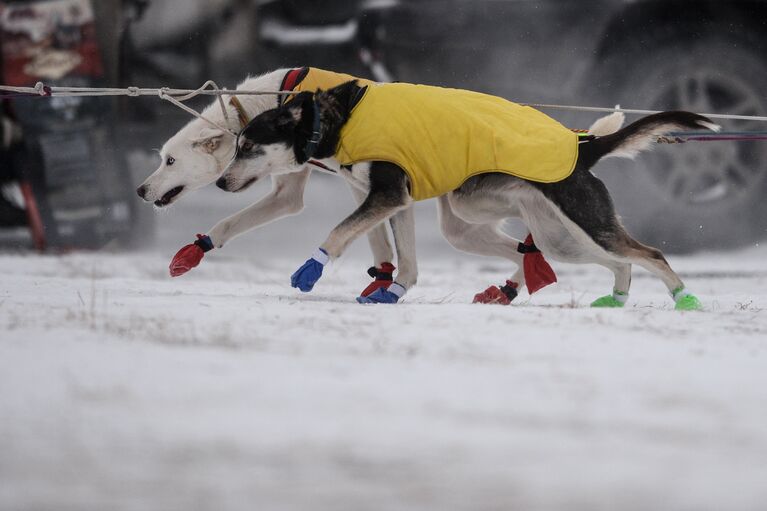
(707, 172)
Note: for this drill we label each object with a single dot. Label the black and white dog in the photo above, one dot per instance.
(198, 153)
(572, 220)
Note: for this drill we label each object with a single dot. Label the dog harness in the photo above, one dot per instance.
(312, 79)
(441, 137)
(301, 79)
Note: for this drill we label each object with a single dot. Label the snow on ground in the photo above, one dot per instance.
(123, 389)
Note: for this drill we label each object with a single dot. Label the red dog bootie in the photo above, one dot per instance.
(190, 255)
(502, 295)
(383, 278)
(538, 272)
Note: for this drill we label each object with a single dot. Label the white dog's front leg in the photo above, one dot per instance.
(285, 198)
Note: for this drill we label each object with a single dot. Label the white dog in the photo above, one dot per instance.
(197, 155)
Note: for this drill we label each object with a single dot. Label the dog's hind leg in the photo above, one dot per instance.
(652, 260)
(485, 239)
(585, 207)
(620, 294)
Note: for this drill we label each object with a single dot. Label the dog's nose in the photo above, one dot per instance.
(221, 183)
(141, 191)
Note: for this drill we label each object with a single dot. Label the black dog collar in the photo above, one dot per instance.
(314, 140)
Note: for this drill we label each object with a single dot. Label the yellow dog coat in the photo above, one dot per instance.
(441, 137)
(312, 79)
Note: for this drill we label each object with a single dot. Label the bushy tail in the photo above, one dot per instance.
(640, 135)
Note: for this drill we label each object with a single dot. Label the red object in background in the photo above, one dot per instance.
(43, 41)
(538, 272)
(33, 215)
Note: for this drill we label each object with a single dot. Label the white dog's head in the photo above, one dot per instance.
(194, 157)
(197, 155)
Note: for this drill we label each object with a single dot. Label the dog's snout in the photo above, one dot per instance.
(221, 183)
(141, 191)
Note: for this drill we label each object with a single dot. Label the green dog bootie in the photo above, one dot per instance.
(686, 301)
(613, 301)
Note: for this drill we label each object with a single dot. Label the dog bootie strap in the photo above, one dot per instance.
(204, 242)
(501, 295)
(383, 278)
(383, 295)
(685, 300)
(615, 301)
(538, 272)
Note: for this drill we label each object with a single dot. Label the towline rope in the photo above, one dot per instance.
(210, 88)
(760, 118)
(174, 96)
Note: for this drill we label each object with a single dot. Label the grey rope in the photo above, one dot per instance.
(181, 94)
(173, 96)
(209, 88)
(642, 112)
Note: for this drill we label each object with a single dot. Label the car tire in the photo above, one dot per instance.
(697, 195)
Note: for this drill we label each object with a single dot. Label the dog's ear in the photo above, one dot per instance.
(340, 94)
(208, 140)
(297, 109)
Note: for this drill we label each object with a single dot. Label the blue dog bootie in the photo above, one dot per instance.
(382, 295)
(310, 272)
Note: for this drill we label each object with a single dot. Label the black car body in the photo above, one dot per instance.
(703, 56)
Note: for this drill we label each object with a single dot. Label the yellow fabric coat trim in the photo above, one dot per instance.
(441, 137)
(319, 79)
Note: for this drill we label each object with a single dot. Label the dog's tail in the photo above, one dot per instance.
(608, 124)
(640, 135)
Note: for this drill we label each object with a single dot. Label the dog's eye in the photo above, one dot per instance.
(247, 146)
(170, 161)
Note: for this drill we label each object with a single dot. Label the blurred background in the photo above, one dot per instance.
(79, 161)
(124, 389)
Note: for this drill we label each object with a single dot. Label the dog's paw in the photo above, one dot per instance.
(382, 295)
(310, 272)
(685, 301)
(382, 276)
(607, 302)
(498, 295)
(688, 303)
(614, 301)
(190, 256)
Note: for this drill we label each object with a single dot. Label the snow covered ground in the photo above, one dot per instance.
(123, 389)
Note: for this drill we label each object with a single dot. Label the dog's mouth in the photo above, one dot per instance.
(246, 185)
(169, 196)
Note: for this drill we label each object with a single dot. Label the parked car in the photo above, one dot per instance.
(704, 56)
(700, 55)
